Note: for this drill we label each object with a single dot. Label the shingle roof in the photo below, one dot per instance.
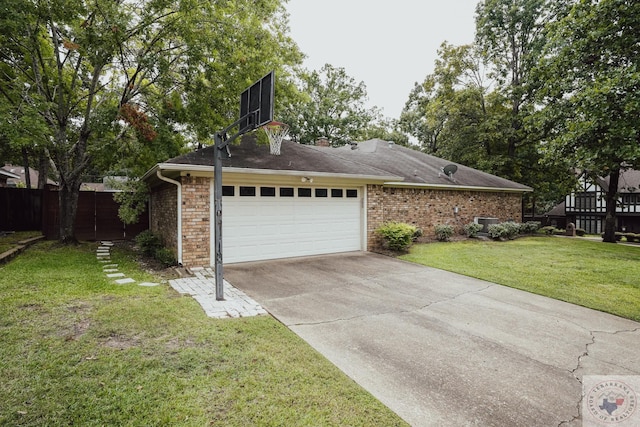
(417, 167)
(373, 158)
(629, 181)
(294, 157)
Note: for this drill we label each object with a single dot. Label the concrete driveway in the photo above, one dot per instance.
(443, 349)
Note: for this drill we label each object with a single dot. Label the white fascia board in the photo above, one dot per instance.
(273, 172)
(457, 187)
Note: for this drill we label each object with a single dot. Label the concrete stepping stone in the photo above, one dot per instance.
(111, 275)
(110, 266)
(148, 284)
(125, 281)
(110, 270)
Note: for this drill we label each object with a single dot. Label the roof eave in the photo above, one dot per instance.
(178, 167)
(458, 187)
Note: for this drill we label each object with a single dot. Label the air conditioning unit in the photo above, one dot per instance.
(485, 222)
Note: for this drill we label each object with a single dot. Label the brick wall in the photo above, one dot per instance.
(195, 221)
(164, 215)
(427, 208)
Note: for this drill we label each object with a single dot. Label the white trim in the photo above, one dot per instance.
(179, 209)
(457, 187)
(231, 170)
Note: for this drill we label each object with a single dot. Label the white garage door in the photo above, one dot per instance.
(261, 223)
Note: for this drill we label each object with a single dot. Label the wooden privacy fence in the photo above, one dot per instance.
(97, 218)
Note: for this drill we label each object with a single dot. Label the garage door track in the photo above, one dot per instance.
(443, 349)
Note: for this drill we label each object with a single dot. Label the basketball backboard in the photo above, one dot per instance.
(256, 104)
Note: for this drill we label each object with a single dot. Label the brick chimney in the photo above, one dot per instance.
(323, 142)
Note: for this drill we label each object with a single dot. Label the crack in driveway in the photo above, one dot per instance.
(585, 354)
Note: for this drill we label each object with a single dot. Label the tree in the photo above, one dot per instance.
(333, 106)
(591, 92)
(111, 78)
(477, 107)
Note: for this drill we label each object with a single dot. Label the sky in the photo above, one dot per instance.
(388, 45)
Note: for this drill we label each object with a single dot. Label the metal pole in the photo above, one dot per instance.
(217, 205)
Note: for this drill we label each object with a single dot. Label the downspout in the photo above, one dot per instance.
(179, 216)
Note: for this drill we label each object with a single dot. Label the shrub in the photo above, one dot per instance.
(417, 234)
(148, 242)
(165, 257)
(511, 229)
(580, 232)
(444, 232)
(496, 231)
(398, 236)
(472, 229)
(530, 227)
(550, 230)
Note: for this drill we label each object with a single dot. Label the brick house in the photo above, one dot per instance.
(315, 200)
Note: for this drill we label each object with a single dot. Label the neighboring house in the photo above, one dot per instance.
(587, 207)
(314, 200)
(21, 180)
(6, 175)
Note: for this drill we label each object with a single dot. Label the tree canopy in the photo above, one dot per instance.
(477, 106)
(590, 77)
(121, 85)
(333, 106)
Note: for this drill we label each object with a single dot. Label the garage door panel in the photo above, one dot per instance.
(257, 228)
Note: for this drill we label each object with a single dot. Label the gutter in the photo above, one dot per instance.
(179, 208)
(458, 187)
(274, 172)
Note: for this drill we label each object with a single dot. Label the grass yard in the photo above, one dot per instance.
(80, 350)
(11, 240)
(593, 274)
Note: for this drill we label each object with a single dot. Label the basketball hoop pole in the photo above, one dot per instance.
(221, 141)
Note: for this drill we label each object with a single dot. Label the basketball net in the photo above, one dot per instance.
(276, 132)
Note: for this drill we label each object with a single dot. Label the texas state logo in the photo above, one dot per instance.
(610, 402)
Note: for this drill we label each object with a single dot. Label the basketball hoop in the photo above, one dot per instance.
(276, 132)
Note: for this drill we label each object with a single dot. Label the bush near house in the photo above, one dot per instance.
(398, 236)
(444, 232)
(151, 245)
(472, 229)
(510, 230)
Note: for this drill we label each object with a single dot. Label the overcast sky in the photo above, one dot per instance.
(389, 45)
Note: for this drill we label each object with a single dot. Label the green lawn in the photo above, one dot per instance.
(77, 349)
(11, 240)
(593, 274)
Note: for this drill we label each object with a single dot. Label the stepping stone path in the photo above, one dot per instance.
(103, 254)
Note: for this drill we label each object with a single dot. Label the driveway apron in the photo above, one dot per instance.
(440, 348)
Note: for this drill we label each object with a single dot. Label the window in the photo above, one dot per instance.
(304, 192)
(286, 192)
(585, 201)
(336, 192)
(247, 191)
(228, 190)
(268, 191)
(321, 192)
(351, 194)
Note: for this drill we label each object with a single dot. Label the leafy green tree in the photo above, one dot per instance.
(117, 80)
(591, 79)
(332, 106)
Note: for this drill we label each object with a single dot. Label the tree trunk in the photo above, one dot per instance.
(43, 170)
(68, 202)
(612, 200)
(27, 169)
